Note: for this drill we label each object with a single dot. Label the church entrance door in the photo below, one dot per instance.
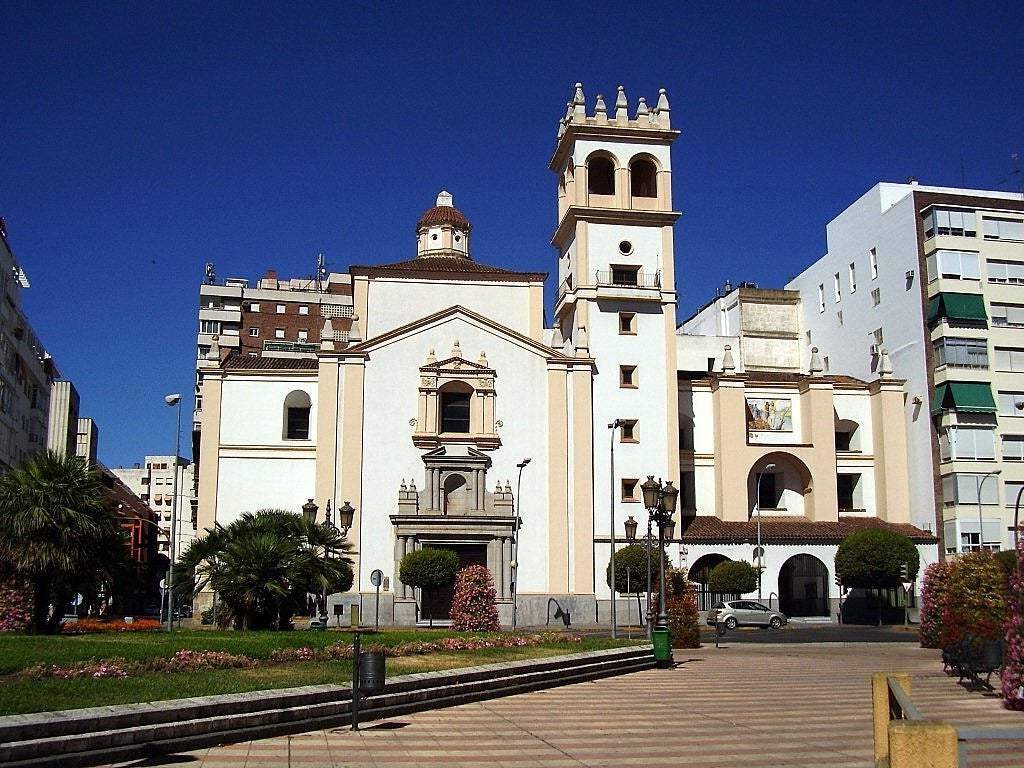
(437, 605)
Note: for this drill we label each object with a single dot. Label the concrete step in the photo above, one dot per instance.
(102, 735)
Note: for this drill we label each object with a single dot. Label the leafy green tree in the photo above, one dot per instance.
(733, 577)
(264, 564)
(873, 558)
(631, 571)
(58, 534)
(429, 569)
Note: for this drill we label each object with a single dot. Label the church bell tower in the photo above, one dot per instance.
(616, 288)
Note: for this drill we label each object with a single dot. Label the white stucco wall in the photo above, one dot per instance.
(391, 391)
(250, 481)
(252, 409)
(392, 303)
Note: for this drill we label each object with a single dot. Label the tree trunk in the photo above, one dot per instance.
(56, 618)
(40, 606)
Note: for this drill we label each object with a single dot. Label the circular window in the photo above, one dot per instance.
(625, 247)
(433, 237)
(458, 238)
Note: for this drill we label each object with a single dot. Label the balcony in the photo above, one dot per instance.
(221, 315)
(290, 346)
(336, 310)
(628, 278)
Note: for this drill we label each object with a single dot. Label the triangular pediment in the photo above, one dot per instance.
(456, 364)
(457, 310)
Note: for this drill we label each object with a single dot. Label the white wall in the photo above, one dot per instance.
(391, 392)
(391, 303)
(252, 409)
(249, 482)
(884, 219)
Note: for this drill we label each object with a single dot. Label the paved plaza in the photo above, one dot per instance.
(743, 705)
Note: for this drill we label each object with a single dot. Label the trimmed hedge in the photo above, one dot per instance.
(733, 577)
(934, 596)
(873, 559)
(977, 599)
(429, 568)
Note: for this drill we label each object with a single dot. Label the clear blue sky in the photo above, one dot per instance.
(142, 140)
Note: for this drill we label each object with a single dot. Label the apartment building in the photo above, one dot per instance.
(272, 318)
(26, 369)
(934, 276)
(153, 483)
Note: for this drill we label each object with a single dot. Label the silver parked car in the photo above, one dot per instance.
(737, 613)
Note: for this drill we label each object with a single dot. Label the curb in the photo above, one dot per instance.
(84, 737)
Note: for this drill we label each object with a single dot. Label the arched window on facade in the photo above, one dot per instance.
(296, 415)
(454, 404)
(643, 178)
(600, 176)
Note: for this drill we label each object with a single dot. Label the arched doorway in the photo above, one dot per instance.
(699, 573)
(803, 587)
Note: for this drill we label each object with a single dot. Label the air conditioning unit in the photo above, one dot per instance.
(875, 349)
(910, 274)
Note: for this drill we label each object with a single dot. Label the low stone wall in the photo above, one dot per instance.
(100, 735)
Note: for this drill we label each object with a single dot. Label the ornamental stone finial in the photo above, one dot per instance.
(600, 110)
(728, 364)
(456, 350)
(621, 107)
(815, 366)
(884, 364)
(641, 108)
(431, 357)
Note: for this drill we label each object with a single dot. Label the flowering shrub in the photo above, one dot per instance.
(934, 594)
(15, 607)
(1013, 654)
(681, 607)
(84, 626)
(473, 605)
(976, 599)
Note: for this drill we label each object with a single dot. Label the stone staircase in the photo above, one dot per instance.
(83, 737)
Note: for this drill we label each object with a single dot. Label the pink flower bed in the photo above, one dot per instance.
(15, 608)
(197, 661)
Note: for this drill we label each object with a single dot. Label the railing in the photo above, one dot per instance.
(289, 346)
(706, 600)
(628, 279)
(336, 310)
(904, 738)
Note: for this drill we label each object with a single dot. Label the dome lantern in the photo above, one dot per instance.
(443, 230)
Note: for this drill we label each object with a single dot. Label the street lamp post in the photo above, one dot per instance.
(660, 501)
(630, 526)
(757, 508)
(173, 400)
(611, 507)
(517, 522)
(980, 483)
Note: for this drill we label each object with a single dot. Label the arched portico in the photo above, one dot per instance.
(699, 573)
(779, 483)
(803, 586)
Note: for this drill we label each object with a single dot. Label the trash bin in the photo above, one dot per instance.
(662, 646)
(371, 673)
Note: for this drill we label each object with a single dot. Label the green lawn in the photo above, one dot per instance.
(18, 695)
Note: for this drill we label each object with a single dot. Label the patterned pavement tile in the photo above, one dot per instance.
(742, 705)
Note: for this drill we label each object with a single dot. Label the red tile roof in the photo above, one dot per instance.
(708, 529)
(236, 362)
(773, 377)
(447, 265)
(443, 214)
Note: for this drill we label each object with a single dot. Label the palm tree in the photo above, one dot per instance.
(57, 532)
(263, 565)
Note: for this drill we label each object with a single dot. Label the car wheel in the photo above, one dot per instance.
(775, 623)
(731, 623)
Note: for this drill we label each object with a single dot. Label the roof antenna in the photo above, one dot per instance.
(321, 272)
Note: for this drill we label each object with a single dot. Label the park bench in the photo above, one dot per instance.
(973, 657)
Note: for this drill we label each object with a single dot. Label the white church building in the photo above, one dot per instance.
(422, 411)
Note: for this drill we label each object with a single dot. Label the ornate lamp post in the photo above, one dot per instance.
(660, 501)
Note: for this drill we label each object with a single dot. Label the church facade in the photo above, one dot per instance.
(447, 409)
